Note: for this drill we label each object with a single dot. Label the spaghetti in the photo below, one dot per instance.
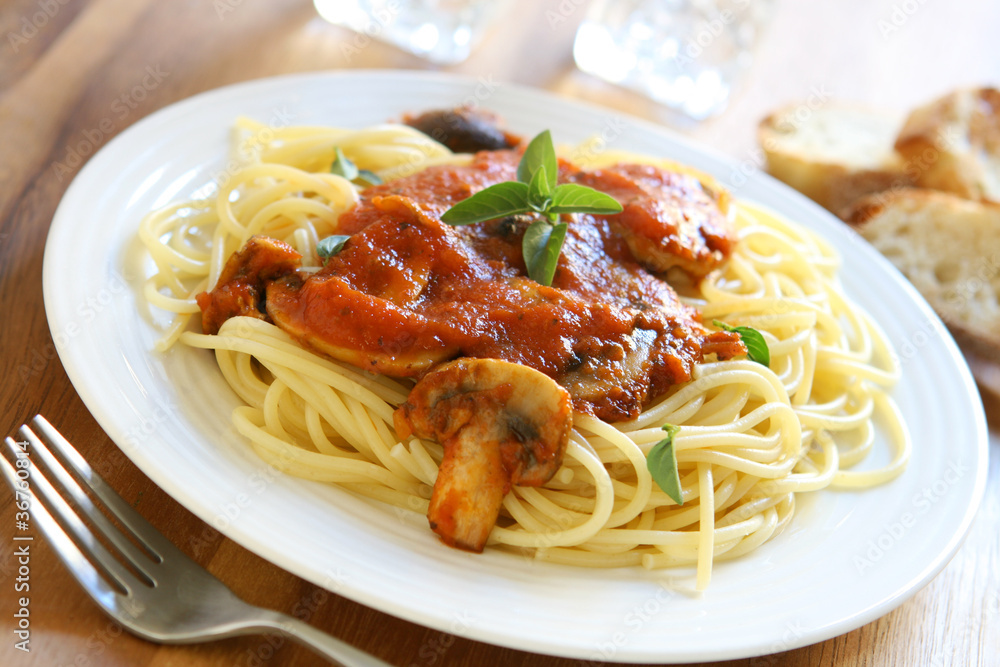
(751, 437)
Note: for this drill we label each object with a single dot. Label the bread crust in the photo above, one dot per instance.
(832, 181)
(953, 144)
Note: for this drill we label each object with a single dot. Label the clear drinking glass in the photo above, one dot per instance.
(686, 54)
(442, 31)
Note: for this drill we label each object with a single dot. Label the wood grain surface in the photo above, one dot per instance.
(75, 73)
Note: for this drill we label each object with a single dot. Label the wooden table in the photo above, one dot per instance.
(63, 65)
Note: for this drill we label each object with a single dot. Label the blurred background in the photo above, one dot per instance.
(76, 73)
(888, 54)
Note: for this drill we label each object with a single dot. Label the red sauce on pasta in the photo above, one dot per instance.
(408, 291)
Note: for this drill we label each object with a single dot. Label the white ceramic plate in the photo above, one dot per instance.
(847, 558)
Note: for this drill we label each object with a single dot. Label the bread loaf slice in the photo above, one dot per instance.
(953, 144)
(833, 154)
(949, 248)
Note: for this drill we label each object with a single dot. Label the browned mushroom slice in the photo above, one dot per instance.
(464, 130)
(241, 286)
(669, 219)
(500, 424)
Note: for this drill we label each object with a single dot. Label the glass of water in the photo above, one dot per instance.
(442, 31)
(686, 54)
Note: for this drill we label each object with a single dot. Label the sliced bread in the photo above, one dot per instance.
(833, 154)
(953, 144)
(949, 248)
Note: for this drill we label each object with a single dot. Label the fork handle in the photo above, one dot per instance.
(339, 652)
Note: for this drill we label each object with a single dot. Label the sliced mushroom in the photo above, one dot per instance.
(669, 219)
(500, 424)
(242, 283)
(464, 130)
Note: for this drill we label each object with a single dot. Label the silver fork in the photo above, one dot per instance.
(172, 600)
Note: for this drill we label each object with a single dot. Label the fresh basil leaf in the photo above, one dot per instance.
(539, 154)
(496, 201)
(539, 191)
(342, 166)
(575, 198)
(662, 464)
(757, 349)
(367, 177)
(536, 190)
(541, 246)
(330, 246)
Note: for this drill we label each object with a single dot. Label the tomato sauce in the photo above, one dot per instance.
(408, 291)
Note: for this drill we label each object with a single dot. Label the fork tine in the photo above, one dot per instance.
(96, 585)
(56, 468)
(142, 530)
(42, 493)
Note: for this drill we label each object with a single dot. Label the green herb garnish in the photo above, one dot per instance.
(757, 349)
(662, 464)
(367, 177)
(536, 190)
(330, 246)
(496, 201)
(540, 247)
(344, 168)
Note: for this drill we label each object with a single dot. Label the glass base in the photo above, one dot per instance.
(685, 54)
(441, 31)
